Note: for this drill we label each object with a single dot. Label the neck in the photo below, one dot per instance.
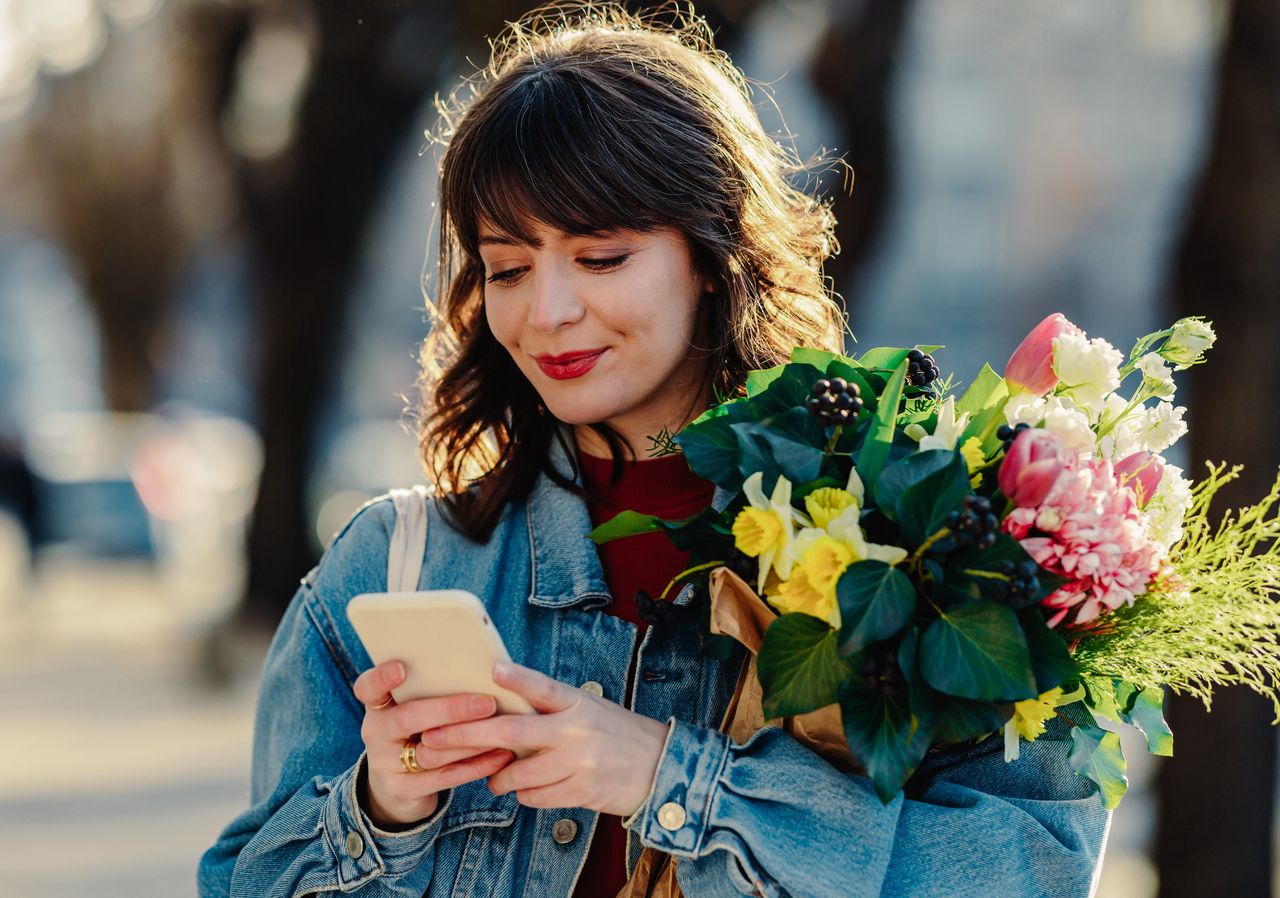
(639, 435)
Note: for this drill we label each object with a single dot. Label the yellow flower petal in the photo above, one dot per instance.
(797, 594)
(825, 503)
(755, 530)
(1029, 716)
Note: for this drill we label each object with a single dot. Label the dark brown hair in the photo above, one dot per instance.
(589, 119)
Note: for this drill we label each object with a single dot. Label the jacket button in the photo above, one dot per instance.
(671, 816)
(563, 831)
(354, 845)
(591, 687)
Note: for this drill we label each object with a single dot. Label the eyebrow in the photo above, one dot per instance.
(536, 242)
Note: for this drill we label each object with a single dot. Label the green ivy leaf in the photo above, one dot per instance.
(799, 666)
(758, 381)
(905, 473)
(785, 444)
(1096, 755)
(875, 451)
(876, 601)
(710, 445)
(788, 391)
(1100, 697)
(960, 719)
(1050, 658)
(889, 356)
(1144, 709)
(885, 736)
(923, 507)
(978, 651)
(625, 523)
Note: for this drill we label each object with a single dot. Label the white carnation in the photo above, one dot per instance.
(1069, 424)
(1124, 435)
(1156, 375)
(1164, 426)
(1023, 408)
(1088, 369)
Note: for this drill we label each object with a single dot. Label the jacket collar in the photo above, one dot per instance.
(566, 566)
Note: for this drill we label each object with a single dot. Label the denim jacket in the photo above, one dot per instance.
(765, 817)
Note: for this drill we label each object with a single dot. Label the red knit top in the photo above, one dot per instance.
(666, 487)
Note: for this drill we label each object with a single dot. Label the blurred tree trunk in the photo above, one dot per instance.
(1216, 813)
(853, 70)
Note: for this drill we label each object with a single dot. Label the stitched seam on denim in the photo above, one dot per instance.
(315, 610)
(304, 889)
(713, 787)
(357, 820)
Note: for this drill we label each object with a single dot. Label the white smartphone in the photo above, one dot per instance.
(445, 639)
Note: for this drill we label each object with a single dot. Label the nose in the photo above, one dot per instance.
(554, 303)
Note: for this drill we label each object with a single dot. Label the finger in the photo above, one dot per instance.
(552, 795)
(505, 731)
(424, 714)
(373, 687)
(542, 769)
(473, 768)
(435, 759)
(544, 693)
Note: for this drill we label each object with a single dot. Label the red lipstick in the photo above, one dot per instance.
(570, 364)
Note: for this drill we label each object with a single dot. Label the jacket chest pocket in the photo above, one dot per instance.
(476, 836)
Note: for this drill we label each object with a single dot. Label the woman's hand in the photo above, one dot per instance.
(592, 753)
(396, 796)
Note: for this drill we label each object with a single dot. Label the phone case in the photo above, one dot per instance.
(445, 639)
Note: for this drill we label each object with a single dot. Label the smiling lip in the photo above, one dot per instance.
(570, 364)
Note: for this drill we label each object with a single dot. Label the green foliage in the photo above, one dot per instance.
(875, 452)
(799, 666)
(876, 601)
(624, 523)
(1214, 621)
(978, 651)
(1096, 755)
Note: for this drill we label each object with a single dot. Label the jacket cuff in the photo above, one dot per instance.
(676, 815)
(364, 851)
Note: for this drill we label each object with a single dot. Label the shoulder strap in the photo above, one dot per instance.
(409, 541)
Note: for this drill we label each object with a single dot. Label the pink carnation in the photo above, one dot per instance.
(1089, 530)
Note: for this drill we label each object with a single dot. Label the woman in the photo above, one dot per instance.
(620, 244)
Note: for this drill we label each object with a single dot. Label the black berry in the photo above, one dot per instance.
(834, 401)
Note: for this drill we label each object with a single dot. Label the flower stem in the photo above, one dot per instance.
(685, 573)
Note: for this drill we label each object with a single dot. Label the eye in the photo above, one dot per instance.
(504, 277)
(605, 264)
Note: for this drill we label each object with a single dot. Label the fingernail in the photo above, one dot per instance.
(482, 704)
(396, 670)
(501, 670)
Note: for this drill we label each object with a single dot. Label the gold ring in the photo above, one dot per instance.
(383, 705)
(409, 757)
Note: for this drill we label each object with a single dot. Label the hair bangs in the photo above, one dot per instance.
(546, 156)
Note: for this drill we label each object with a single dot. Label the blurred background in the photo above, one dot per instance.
(216, 231)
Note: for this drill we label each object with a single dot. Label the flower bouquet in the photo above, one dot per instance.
(911, 567)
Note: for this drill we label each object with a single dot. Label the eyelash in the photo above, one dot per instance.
(504, 277)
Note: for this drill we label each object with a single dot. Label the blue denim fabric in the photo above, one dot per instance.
(766, 817)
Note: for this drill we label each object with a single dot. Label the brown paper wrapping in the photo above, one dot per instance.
(737, 611)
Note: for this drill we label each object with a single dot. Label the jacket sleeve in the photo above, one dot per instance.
(304, 831)
(769, 817)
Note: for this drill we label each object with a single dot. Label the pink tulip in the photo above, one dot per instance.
(1030, 470)
(1143, 472)
(1030, 368)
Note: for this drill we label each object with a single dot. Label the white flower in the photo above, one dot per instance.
(1089, 369)
(948, 429)
(1023, 408)
(1124, 436)
(1187, 344)
(1164, 514)
(1164, 426)
(854, 487)
(780, 556)
(1156, 376)
(1069, 424)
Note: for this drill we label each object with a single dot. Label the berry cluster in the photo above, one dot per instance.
(879, 668)
(921, 369)
(1023, 586)
(654, 611)
(976, 525)
(834, 401)
(1007, 434)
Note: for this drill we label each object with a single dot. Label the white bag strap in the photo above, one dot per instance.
(409, 541)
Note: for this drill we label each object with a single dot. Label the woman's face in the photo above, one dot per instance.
(602, 326)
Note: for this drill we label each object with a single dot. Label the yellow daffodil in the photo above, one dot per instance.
(974, 458)
(846, 528)
(764, 529)
(1029, 717)
(811, 588)
(825, 503)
